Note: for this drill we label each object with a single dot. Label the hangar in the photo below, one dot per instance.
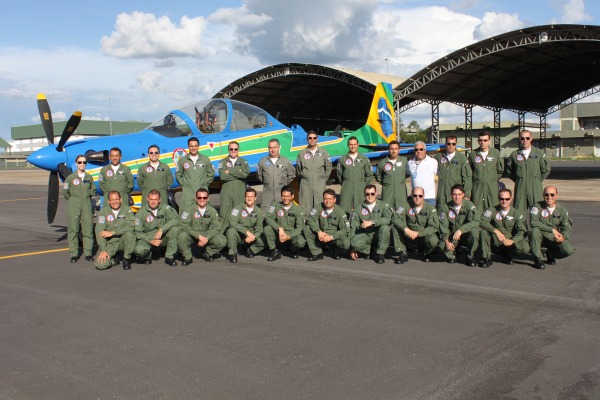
(536, 71)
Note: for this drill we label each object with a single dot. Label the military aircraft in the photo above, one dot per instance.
(215, 123)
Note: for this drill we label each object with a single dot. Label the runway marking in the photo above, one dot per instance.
(29, 198)
(34, 253)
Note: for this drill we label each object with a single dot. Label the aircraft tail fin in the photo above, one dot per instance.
(381, 122)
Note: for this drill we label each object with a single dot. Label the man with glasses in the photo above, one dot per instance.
(422, 170)
(327, 227)
(156, 226)
(453, 169)
(116, 176)
(284, 223)
(233, 171)
(371, 226)
(314, 168)
(459, 226)
(417, 226)
(274, 171)
(391, 174)
(503, 231)
(527, 168)
(154, 175)
(245, 223)
(353, 172)
(200, 225)
(487, 167)
(550, 227)
(194, 171)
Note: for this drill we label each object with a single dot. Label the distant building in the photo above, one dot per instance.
(32, 137)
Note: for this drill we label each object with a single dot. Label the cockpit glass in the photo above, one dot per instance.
(246, 116)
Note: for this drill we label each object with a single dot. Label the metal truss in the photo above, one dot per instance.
(435, 121)
(497, 128)
(294, 69)
(577, 97)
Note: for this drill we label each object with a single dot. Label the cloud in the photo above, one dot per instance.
(143, 35)
(494, 24)
(96, 117)
(149, 81)
(573, 11)
(56, 116)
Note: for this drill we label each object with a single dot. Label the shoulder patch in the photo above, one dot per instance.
(487, 213)
(272, 209)
(235, 212)
(66, 185)
(101, 219)
(313, 211)
(534, 211)
(184, 215)
(400, 210)
(442, 215)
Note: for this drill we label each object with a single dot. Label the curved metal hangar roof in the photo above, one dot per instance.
(531, 70)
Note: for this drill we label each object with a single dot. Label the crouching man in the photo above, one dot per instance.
(327, 226)
(200, 225)
(114, 233)
(156, 226)
(245, 228)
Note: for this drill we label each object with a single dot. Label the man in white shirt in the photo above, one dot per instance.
(422, 170)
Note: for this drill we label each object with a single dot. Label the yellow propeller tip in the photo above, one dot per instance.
(77, 113)
(41, 96)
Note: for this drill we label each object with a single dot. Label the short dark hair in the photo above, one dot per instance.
(353, 138)
(505, 190)
(458, 186)
(371, 186)
(250, 190)
(451, 137)
(329, 191)
(193, 139)
(153, 146)
(484, 133)
(287, 188)
(393, 142)
(114, 191)
(233, 142)
(154, 191)
(275, 141)
(202, 190)
(115, 149)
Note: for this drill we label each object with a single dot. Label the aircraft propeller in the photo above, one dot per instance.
(62, 168)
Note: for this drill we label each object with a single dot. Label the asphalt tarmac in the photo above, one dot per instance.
(292, 329)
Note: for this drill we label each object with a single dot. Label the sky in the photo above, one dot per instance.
(136, 60)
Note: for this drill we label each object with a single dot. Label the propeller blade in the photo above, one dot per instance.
(53, 189)
(46, 117)
(63, 170)
(69, 130)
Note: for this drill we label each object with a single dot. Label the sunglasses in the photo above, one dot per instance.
(450, 144)
(549, 194)
(232, 149)
(504, 198)
(202, 197)
(81, 162)
(312, 137)
(370, 194)
(153, 152)
(417, 196)
(483, 140)
(419, 149)
(525, 138)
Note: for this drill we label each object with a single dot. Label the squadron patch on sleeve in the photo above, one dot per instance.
(101, 219)
(400, 210)
(65, 185)
(235, 212)
(185, 215)
(442, 215)
(534, 211)
(272, 209)
(313, 212)
(487, 213)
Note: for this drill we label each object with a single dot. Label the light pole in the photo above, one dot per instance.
(387, 71)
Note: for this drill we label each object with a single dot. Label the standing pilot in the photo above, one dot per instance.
(194, 171)
(154, 174)
(233, 171)
(314, 168)
(354, 173)
(487, 167)
(453, 169)
(274, 171)
(391, 173)
(116, 176)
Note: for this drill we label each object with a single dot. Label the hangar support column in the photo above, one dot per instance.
(521, 116)
(543, 131)
(435, 121)
(497, 128)
(469, 126)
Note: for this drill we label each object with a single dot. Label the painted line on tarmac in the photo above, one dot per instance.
(34, 253)
(29, 198)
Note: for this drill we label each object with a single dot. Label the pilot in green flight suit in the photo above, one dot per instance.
(327, 225)
(453, 168)
(194, 171)
(78, 189)
(503, 229)
(527, 168)
(233, 171)
(283, 225)
(314, 168)
(154, 174)
(354, 173)
(200, 224)
(550, 227)
(418, 225)
(391, 173)
(459, 225)
(116, 176)
(245, 223)
(115, 232)
(487, 167)
(371, 225)
(156, 225)
(274, 171)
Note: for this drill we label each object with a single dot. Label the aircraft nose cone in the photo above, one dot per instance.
(47, 158)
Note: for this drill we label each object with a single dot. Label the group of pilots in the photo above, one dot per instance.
(469, 210)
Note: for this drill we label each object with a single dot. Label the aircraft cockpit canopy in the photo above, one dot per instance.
(211, 116)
